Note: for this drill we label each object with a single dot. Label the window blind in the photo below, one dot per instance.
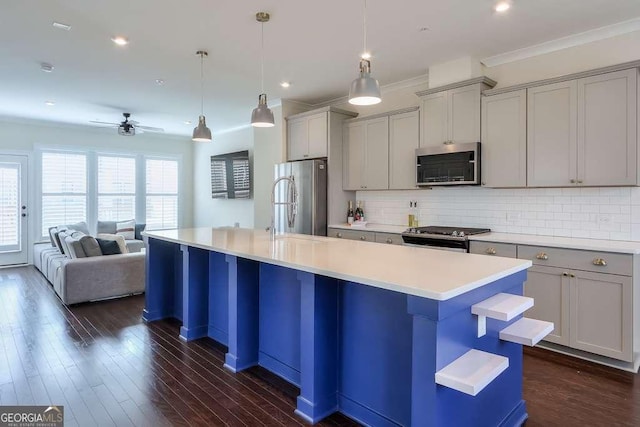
(9, 207)
(64, 189)
(116, 188)
(161, 194)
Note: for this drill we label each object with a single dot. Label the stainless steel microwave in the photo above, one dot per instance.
(448, 164)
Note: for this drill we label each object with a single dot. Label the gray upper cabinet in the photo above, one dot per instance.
(584, 131)
(552, 135)
(307, 137)
(366, 154)
(504, 140)
(404, 138)
(451, 114)
(607, 129)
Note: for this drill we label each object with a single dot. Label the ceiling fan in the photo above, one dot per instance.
(129, 127)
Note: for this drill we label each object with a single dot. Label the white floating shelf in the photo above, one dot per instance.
(526, 331)
(472, 371)
(502, 306)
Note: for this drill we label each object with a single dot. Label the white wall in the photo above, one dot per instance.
(209, 212)
(605, 213)
(18, 136)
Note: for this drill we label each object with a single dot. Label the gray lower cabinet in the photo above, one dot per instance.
(365, 236)
(588, 295)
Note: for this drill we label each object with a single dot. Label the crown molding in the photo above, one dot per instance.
(564, 43)
(403, 84)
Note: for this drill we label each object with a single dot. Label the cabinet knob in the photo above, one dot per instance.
(600, 262)
(363, 237)
(572, 275)
(565, 274)
(491, 251)
(573, 181)
(339, 235)
(542, 256)
(389, 241)
(448, 142)
(579, 181)
(306, 155)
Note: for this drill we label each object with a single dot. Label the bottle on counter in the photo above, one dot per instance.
(350, 213)
(359, 213)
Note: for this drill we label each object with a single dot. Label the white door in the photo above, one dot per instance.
(13, 210)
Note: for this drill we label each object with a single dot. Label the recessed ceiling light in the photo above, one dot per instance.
(187, 122)
(285, 84)
(423, 29)
(366, 55)
(159, 82)
(120, 41)
(61, 26)
(49, 103)
(503, 6)
(46, 67)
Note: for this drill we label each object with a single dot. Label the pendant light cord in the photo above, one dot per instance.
(364, 27)
(262, 56)
(202, 83)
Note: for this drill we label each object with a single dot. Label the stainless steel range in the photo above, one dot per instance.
(445, 238)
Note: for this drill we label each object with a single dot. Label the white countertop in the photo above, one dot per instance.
(428, 273)
(380, 228)
(617, 246)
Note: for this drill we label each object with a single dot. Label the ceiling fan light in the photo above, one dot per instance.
(262, 116)
(201, 133)
(365, 90)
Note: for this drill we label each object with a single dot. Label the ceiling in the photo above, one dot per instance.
(315, 45)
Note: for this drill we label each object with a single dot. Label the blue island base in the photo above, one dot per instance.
(367, 352)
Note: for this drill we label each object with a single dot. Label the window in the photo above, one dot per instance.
(64, 189)
(161, 194)
(116, 188)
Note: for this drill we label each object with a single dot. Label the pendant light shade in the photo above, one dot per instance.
(262, 116)
(365, 90)
(201, 133)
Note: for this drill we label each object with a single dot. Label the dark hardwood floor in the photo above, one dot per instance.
(107, 367)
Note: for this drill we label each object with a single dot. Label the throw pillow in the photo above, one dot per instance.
(109, 247)
(126, 229)
(90, 246)
(75, 248)
(79, 226)
(121, 243)
(61, 236)
(139, 229)
(52, 231)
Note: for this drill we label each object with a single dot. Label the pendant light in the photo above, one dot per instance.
(262, 116)
(201, 133)
(365, 90)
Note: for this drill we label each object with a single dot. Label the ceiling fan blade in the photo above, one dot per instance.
(104, 123)
(150, 129)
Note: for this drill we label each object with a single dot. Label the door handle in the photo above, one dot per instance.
(599, 261)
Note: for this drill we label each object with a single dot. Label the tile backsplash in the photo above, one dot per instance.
(597, 213)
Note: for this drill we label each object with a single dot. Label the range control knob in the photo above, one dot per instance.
(454, 233)
(461, 234)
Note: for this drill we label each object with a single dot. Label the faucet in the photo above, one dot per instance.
(291, 203)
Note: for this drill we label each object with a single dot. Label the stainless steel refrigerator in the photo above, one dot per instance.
(300, 202)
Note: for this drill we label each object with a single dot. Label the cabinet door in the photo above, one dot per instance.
(404, 138)
(549, 287)
(607, 129)
(504, 140)
(353, 155)
(551, 135)
(317, 135)
(298, 143)
(601, 316)
(434, 120)
(376, 153)
(464, 114)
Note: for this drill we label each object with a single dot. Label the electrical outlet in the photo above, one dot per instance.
(604, 219)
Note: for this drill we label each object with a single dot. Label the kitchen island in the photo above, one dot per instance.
(388, 335)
